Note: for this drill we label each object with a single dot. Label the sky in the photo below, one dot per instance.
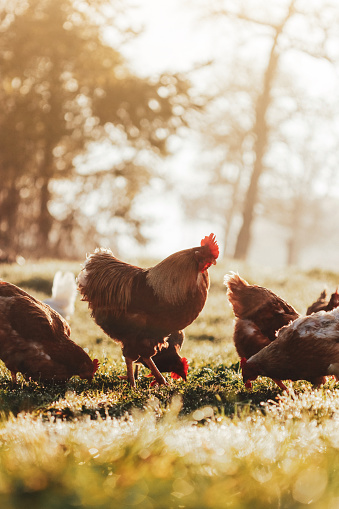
(172, 40)
(175, 39)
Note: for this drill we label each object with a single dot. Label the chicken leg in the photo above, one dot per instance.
(280, 384)
(150, 364)
(136, 374)
(130, 374)
(155, 372)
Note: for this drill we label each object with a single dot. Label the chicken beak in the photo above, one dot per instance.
(214, 262)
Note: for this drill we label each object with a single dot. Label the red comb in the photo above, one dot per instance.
(96, 364)
(185, 364)
(175, 376)
(211, 242)
(243, 361)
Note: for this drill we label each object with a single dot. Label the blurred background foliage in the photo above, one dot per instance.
(64, 89)
(83, 134)
(271, 127)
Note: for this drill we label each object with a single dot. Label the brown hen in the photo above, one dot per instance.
(168, 360)
(35, 340)
(259, 313)
(323, 303)
(307, 349)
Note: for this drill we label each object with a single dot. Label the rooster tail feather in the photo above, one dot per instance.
(106, 282)
(234, 282)
(236, 291)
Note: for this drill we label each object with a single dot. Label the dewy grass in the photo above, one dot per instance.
(206, 443)
(277, 459)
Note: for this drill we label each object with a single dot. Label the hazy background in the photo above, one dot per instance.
(146, 125)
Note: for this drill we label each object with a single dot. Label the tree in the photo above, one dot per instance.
(64, 88)
(284, 33)
(300, 195)
(261, 133)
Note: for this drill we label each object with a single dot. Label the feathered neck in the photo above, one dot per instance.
(177, 276)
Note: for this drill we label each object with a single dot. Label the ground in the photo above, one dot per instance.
(206, 443)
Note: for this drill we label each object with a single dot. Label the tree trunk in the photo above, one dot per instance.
(9, 211)
(44, 220)
(260, 131)
(293, 243)
(230, 215)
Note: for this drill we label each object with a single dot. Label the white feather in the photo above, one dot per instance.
(64, 292)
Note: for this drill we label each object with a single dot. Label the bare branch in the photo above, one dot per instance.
(244, 17)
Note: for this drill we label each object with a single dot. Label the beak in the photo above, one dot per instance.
(214, 262)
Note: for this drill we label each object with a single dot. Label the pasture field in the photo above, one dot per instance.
(206, 443)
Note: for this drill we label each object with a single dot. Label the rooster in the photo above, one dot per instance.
(64, 292)
(323, 304)
(307, 349)
(138, 307)
(35, 340)
(259, 313)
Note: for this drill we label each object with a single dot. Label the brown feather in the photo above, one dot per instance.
(323, 303)
(106, 282)
(259, 313)
(303, 350)
(139, 307)
(248, 339)
(35, 339)
(176, 277)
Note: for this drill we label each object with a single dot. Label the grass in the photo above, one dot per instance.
(206, 443)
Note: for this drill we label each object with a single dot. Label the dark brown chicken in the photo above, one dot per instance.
(323, 303)
(259, 313)
(139, 307)
(307, 349)
(168, 360)
(35, 340)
